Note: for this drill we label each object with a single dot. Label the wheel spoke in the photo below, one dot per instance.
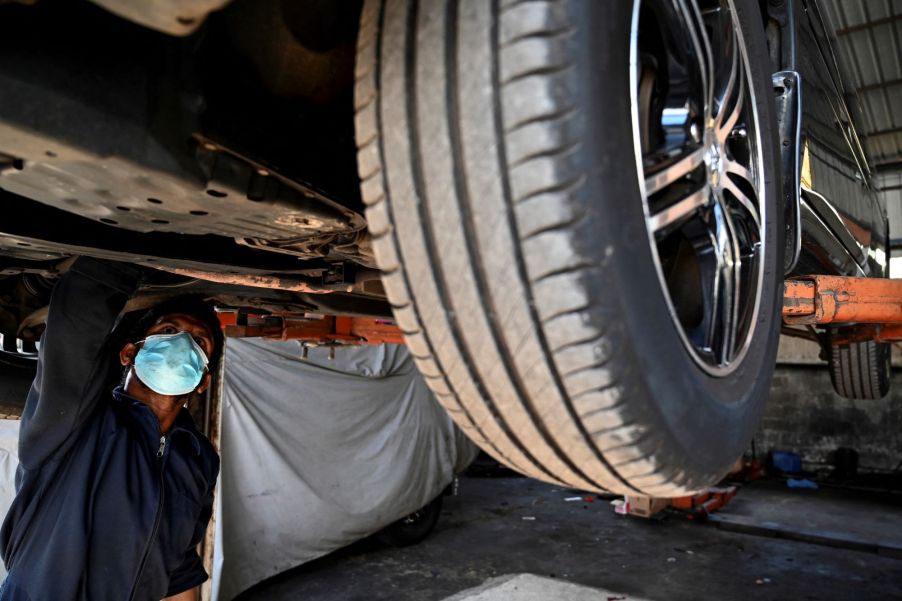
(712, 286)
(661, 179)
(680, 209)
(728, 91)
(747, 203)
(708, 55)
(740, 171)
(727, 115)
(726, 303)
(702, 45)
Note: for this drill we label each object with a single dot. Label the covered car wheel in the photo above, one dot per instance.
(574, 205)
(413, 528)
(861, 370)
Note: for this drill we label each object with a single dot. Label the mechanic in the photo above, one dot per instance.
(114, 489)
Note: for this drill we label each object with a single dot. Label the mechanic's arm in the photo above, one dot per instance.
(189, 595)
(73, 364)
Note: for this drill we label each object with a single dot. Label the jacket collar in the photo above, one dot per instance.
(183, 425)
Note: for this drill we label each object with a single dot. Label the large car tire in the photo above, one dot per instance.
(861, 370)
(498, 163)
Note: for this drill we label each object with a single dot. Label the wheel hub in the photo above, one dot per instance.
(700, 194)
(714, 159)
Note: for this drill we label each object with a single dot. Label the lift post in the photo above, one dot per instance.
(871, 307)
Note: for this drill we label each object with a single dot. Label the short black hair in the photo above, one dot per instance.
(188, 304)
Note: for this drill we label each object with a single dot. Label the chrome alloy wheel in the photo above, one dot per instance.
(696, 138)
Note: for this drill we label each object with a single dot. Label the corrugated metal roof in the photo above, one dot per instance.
(868, 48)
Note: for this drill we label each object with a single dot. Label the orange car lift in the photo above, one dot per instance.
(873, 305)
(312, 328)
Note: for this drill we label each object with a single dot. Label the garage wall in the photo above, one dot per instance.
(805, 416)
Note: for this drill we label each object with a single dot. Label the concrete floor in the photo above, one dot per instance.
(483, 535)
(860, 520)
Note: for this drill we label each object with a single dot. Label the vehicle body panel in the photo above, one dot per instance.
(837, 196)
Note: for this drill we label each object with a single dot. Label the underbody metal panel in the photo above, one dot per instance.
(227, 195)
(175, 17)
(115, 124)
(153, 250)
(22, 254)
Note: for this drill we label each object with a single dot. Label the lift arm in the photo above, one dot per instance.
(868, 309)
(872, 307)
(313, 329)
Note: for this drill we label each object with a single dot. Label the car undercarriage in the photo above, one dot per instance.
(133, 145)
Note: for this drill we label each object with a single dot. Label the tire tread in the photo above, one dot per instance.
(464, 174)
(860, 370)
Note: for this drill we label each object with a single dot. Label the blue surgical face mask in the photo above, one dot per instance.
(171, 364)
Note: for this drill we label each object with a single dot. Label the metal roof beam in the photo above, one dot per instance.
(880, 85)
(888, 166)
(884, 132)
(868, 25)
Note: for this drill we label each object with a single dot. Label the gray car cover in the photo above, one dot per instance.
(321, 452)
(9, 461)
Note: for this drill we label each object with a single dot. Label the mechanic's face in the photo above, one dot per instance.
(174, 323)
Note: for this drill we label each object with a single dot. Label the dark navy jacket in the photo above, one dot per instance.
(107, 509)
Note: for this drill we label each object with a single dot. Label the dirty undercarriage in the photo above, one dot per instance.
(225, 160)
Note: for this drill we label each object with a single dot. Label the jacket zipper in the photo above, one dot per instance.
(156, 522)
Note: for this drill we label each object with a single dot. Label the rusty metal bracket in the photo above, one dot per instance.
(834, 299)
(276, 282)
(321, 330)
